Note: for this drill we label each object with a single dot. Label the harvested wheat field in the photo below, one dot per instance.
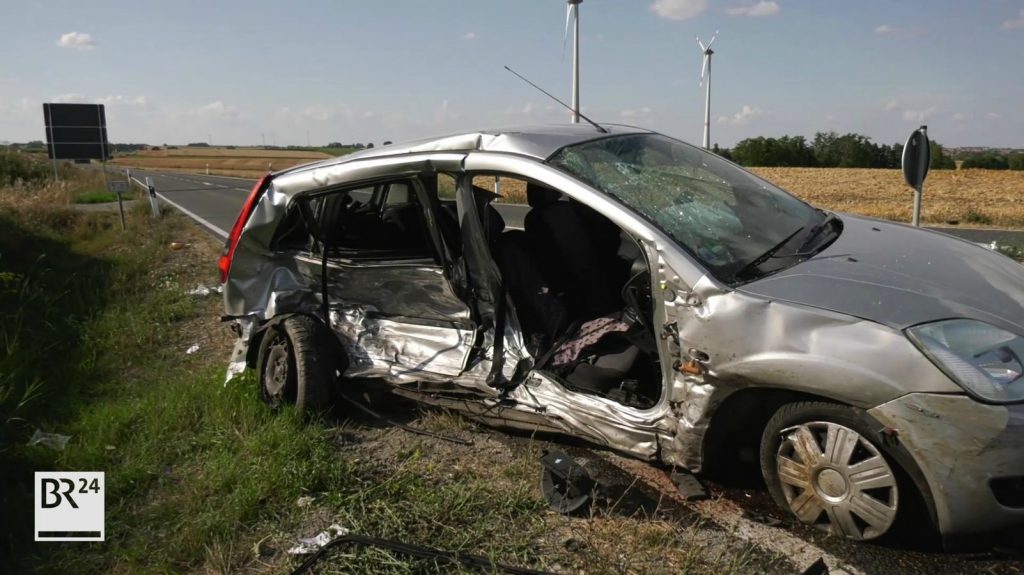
(974, 198)
(953, 197)
(240, 162)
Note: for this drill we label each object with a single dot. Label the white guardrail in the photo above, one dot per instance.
(154, 206)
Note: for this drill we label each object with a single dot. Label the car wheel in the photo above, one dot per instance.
(297, 365)
(821, 463)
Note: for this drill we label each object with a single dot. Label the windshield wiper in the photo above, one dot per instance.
(766, 255)
(825, 223)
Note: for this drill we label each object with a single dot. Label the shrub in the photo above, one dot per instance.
(16, 167)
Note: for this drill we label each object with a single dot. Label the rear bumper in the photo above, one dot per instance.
(970, 455)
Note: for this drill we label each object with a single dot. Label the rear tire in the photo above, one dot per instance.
(298, 364)
(823, 464)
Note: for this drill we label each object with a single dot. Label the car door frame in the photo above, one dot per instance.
(640, 432)
(403, 348)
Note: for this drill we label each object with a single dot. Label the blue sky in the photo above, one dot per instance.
(358, 71)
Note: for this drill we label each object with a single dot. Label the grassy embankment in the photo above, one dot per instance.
(201, 477)
(95, 323)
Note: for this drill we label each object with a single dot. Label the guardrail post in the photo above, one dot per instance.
(153, 205)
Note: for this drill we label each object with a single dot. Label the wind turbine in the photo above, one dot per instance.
(706, 71)
(572, 14)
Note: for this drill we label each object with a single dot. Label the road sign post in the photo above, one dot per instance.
(118, 187)
(916, 159)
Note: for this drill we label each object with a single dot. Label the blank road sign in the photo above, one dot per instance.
(76, 131)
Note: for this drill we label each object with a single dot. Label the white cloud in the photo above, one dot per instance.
(743, 117)
(215, 110)
(992, 116)
(77, 41)
(1015, 23)
(959, 117)
(68, 99)
(913, 113)
(679, 9)
(120, 100)
(760, 9)
(634, 114)
(919, 114)
(887, 30)
(469, 36)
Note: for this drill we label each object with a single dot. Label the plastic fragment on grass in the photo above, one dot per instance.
(51, 440)
(192, 349)
(236, 365)
(304, 501)
(312, 544)
(202, 291)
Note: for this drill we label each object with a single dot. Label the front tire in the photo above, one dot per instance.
(298, 364)
(821, 463)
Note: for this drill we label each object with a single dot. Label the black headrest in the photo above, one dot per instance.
(539, 196)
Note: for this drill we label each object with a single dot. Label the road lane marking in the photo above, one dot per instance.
(194, 216)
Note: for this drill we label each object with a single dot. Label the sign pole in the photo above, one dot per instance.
(925, 156)
(916, 160)
(50, 141)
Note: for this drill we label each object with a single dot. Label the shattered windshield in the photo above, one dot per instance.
(729, 219)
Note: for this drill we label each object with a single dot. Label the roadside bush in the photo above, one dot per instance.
(16, 167)
(985, 162)
(1016, 162)
(974, 216)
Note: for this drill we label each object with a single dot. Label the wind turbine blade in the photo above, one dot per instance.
(713, 38)
(703, 71)
(701, 44)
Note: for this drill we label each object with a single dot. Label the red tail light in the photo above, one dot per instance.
(236, 231)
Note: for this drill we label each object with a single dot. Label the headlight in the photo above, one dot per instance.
(983, 359)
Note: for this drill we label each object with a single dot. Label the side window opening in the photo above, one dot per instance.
(384, 221)
(581, 289)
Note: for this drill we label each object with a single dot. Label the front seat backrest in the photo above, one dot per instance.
(567, 253)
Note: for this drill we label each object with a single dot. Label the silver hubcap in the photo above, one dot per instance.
(836, 480)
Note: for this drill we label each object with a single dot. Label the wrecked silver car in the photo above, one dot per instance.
(659, 301)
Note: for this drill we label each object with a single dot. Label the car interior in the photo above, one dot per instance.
(581, 291)
(382, 221)
(580, 285)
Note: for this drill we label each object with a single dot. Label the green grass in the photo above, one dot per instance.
(195, 470)
(974, 216)
(95, 197)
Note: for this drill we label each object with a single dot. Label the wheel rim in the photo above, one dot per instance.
(276, 371)
(835, 479)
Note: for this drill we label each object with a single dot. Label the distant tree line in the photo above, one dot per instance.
(993, 161)
(827, 150)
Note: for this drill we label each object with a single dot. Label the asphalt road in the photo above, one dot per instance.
(215, 201)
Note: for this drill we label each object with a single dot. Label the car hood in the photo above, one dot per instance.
(901, 276)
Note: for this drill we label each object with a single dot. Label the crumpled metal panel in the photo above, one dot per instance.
(379, 347)
(956, 440)
(751, 341)
(600, 420)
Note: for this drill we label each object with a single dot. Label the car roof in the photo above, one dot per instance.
(539, 142)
